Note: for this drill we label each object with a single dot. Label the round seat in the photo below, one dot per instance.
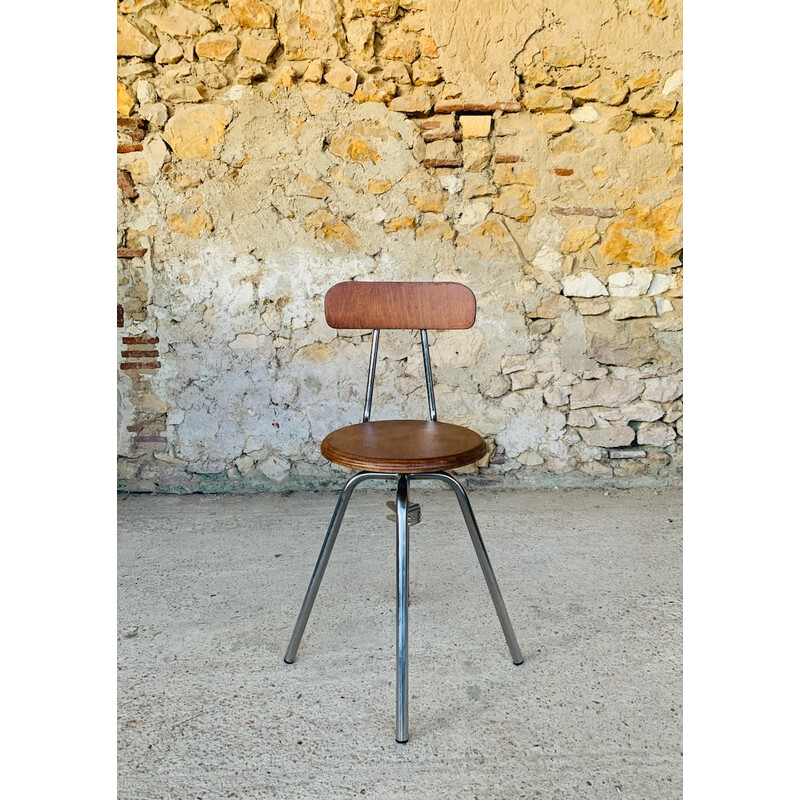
(403, 446)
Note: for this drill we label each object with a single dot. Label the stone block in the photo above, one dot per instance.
(674, 411)
(580, 418)
(630, 307)
(170, 51)
(218, 46)
(640, 81)
(132, 42)
(546, 98)
(627, 452)
(639, 135)
(342, 77)
(657, 434)
(554, 124)
(584, 284)
(259, 45)
(400, 45)
(477, 186)
(509, 174)
(417, 101)
(612, 436)
(572, 77)
(579, 239)
(673, 82)
(476, 154)
(475, 125)
(406, 223)
(513, 124)
(314, 72)
(587, 113)
(620, 122)
(663, 390)
(551, 307)
(425, 72)
(251, 14)
(660, 283)
(609, 90)
(627, 343)
(515, 202)
(649, 103)
(640, 411)
(445, 149)
(592, 307)
(311, 30)
(375, 91)
(644, 236)
(195, 131)
(177, 20)
(428, 201)
(125, 100)
(609, 392)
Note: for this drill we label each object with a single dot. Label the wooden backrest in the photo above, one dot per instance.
(400, 304)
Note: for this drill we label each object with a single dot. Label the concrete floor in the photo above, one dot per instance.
(210, 586)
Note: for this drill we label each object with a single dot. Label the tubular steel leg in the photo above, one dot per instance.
(322, 561)
(483, 558)
(401, 730)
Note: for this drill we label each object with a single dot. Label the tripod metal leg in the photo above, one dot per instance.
(401, 729)
(483, 558)
(322, 561)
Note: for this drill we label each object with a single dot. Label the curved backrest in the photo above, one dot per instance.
(400, 304)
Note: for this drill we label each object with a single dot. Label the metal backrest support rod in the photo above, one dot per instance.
(426, 357)
(373, 361)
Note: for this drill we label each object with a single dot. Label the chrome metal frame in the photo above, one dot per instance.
(322, 561)
(483, 557)
(402, 510)
(402, 503)
(373, 361)
(426, 358)
(401, 718)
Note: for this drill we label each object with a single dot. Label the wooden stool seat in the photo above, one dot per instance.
(403, 446)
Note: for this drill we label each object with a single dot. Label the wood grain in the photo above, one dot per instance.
(400, 304)
(403, 445)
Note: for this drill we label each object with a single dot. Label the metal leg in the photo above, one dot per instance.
(322, 561)
(401, 731)
(483, 558)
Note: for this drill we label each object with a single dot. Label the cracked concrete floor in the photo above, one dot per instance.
(210, 586)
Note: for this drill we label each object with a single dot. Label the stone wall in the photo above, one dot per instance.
(267, 150)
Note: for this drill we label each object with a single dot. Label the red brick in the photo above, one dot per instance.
(507, 159)
(449, 106)
(437, 136)
(125, 183)
(120, 316)
(160, 439)
(441, 162)
(562, 171)
(130, 122)
(145, 365)
(140, 353)
(132, 147)
(127, 252)
(140, 340)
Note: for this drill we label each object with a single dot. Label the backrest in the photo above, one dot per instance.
(396, 305)
(400, 304)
